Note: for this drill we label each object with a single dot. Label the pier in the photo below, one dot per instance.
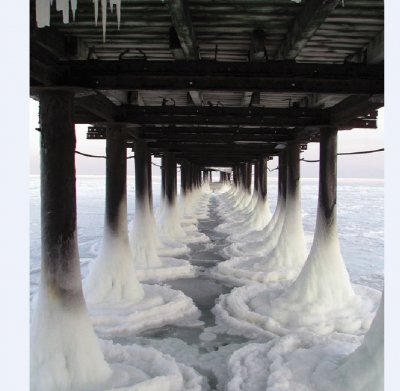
(203, 86)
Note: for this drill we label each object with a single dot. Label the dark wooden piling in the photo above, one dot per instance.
(282, 175)
(328, 176)
(116, 180)
(60, 256)
(293, 170)
(163, 165)
(150, 178)
(248, 176)
(256, 176)
(262, 177)
(170, 178)
(184, 176)
(141, 173)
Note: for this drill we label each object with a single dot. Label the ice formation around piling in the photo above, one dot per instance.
(64, 352)
(160, 306)
(275, 253)
(304, 361)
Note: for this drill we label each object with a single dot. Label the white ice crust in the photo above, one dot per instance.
(259, 311)
(306, 362)
(160, 306)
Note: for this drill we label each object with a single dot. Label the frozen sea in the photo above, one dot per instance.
(360, 222)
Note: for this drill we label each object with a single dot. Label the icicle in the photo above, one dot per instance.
(73, 8)
(96, 11)
(43, 13)
(104, 17)
(63, 5)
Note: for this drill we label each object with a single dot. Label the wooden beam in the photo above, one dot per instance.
(99, 106)
(222, 116)
(210, 138)
(373, 53)
(276, 76)
(232, 130)
(310, 18)
(180, 15)
(175, 43)
(353, 107)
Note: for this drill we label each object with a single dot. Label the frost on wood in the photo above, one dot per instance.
(112, 276)
(64, 349)
(43, 11)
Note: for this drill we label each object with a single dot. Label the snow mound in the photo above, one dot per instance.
(138, 368)
(258, 310)
(160, 306)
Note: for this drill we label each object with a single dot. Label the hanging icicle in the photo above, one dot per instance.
(96, 11)
(43, 11)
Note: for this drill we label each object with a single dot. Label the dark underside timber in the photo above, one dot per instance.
(328, 177)
(170, 177)
(115, 177)
(60, 258)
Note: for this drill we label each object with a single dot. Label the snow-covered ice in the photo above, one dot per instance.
(160, 306)
(208, 348)
(306, 362)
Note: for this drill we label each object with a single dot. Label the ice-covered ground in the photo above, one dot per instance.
(360, 223)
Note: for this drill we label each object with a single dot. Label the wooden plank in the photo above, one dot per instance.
(312, 15)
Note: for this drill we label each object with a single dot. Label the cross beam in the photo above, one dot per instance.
(274, 76)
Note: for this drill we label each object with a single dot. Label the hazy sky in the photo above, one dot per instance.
(358, 166)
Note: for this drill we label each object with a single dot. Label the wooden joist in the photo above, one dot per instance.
(182, 39)
(313, 13)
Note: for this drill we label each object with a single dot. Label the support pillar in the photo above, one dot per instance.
(60, 257)
(262, 177)
(143, 242)
(150, 178)
(282, 176)
(163, 165)
(256, 176)
(170, 178)
(141, 173)
(332, 289)
(293, 170)
(112, 277)
(116, 208)
(328, 177)
(60, 320)
(248, 176)
(184, 177)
